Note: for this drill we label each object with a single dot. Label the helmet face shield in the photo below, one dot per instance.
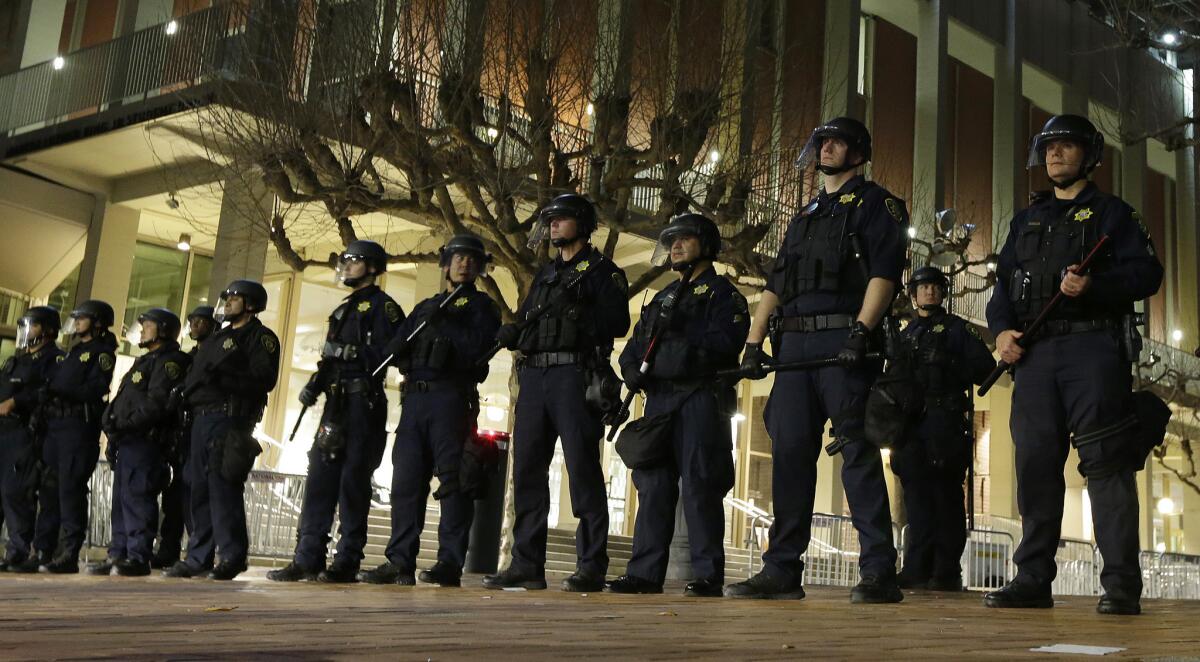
(666, 241)
(539, 234)
(26, 336)
(348, 268)
(1037, 150)
(810, 156)
(77, 324)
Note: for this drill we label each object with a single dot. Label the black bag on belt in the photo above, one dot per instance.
(646, 442)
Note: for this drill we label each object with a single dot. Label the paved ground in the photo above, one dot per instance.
(80, 617)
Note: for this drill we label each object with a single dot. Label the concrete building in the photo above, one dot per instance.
(101, 189)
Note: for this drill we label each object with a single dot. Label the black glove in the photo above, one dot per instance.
(855, 349)
(397, 348)
(508, 335)
(634, 379)
(311, 391)
(755, 360)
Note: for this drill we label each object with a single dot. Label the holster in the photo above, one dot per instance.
(237, 451)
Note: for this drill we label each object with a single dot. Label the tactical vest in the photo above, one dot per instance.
(825, 261)
(674, 357)
(139, 376)
(1045, 247)
(937, 376)
(430, 349)
(563, 329)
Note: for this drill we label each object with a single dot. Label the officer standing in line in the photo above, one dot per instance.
(22, 380)
(77, 392)
(833, 281)
(176, 516)
(588, 302)
(1072, 383)
(931, 467)
(226, 389)
(438, 417)
(137, 422)
(700, 326)
(351, 437)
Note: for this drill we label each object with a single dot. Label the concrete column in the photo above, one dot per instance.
(45, 27)
(931, 118)
(108, 257)
(1001, 452)
(242, 232)
(1183, 274)
(1008, 143)
(1191, 521)
(780, 83)
(839, 86)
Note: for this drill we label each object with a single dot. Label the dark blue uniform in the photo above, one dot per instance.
(1073, 383)
(22, 378)
(138, 422)
(176, 514)
(552, 375)
(706, 333)
(227, 389)
(933, 463)
(820, 285)
(340, 479)
(71, 447)
(440, 408)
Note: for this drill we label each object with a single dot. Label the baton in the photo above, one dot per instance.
(812, 364)
(299, 419)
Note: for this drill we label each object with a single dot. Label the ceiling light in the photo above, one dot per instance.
(185, 242)
(58, 62)
(1170, 38)
(172, 27)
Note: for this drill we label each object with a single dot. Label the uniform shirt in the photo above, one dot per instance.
(707, 330)
(1126, 271)
(950, 354)
(599, 309)
(367, 319)
(141, 400)
(24, 375)
(84, 376)
(880, 221)
(462, 333)
(242, 364)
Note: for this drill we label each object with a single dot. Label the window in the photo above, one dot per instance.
(159, 279)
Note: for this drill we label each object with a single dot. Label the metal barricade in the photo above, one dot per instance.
(1078, 568)
(1170, 576)
(987, 559)
(100, 487)
(832, 555)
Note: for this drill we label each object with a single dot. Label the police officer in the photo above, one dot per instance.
(71, 445)
(933, 463)
(585, 297)
(351, 437)
(226, 390)
(176, 516)
(1072, 382)
(22, 381)
(136, 423)
(699, 322)
(831, 285)
(440, 407)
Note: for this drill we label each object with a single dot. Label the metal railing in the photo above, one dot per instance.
(987, 559)
(1078, 568)
(1170, 576)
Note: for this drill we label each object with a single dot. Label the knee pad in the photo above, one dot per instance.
(1106, 448)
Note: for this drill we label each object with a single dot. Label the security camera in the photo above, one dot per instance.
(172, 201)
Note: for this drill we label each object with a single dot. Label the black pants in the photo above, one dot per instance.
(20, 502)
(70, 451)
(1068, 385)
(550, 407)
(429, 441)
(800, 404)
(343, 484)
(176, 516)
(137, 478)
(703, 462)
(218, 506)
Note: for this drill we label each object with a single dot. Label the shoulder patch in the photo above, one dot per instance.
(173, 370)
(60, 358)
(894, 208)
(106, 362)
(392, 310)
(270, 344)
(973, 331)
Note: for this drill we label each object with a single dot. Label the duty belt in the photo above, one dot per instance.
(66, 410)
(810, 323)
(356, 385)
(433, 385)
(944, 399)
(550, 359)
(201, 410)
(10, 421)
(1064, 327)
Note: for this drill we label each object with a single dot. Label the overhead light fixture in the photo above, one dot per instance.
(172, 27)
(1177, 335)
(1170, 38)
(58, 62)
(714, 156)
(1165, 506)
(912, 232)
(172, 201)
(185, 242)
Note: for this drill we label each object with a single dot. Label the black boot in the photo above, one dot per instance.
(388, 573)
(949, 583)
(292, 573)
(227, 570)
(581, 583)
(63, 565)
(442, 574)
(906, 579)
(1118, 606)
(513, 578)
(766, 586)
(161, 561)
(339, 573)
(185, 570)
(631, 585)
(1020, 594)
(703, 588)
(874, 590)
(102, 568)
(28, 566)
(131, 568)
